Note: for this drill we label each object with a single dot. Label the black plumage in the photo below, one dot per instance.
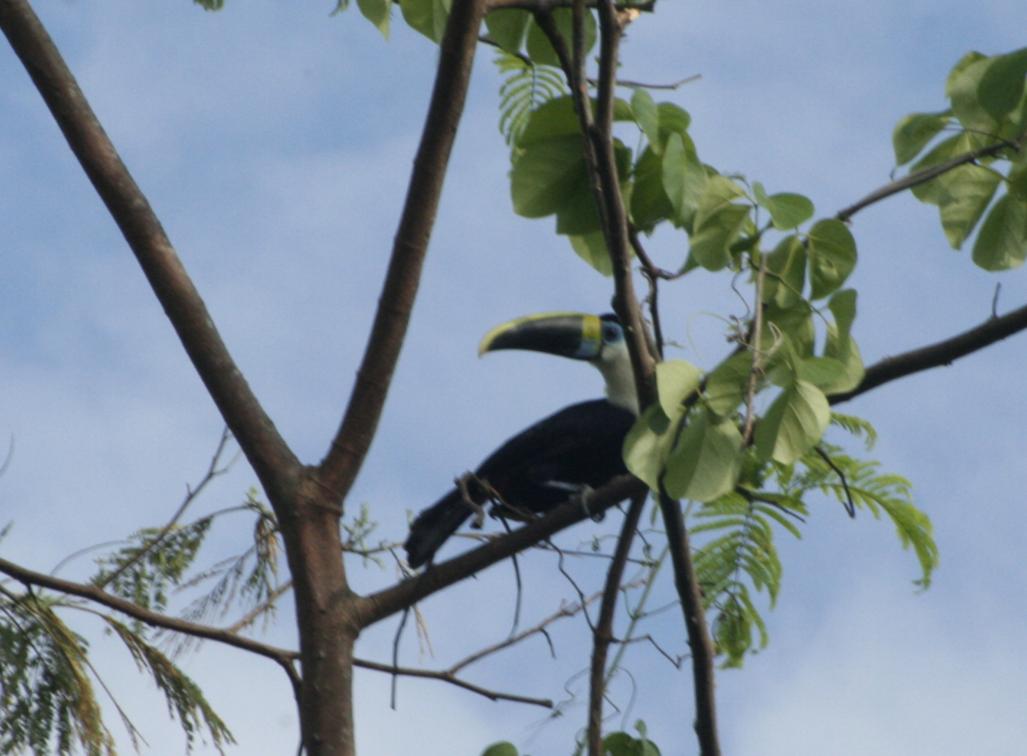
(539, 468)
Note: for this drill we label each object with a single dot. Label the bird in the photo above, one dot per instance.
(569, 453)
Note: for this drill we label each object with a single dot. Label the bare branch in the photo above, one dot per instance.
(449, 677)
(271, 458)
(929, 173)
(340, 466)
(699, 641)
(940, 353)
(602, 635)
(568, 610)
(29, 577)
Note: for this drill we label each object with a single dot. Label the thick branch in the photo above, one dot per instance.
(349, 448)
(935, 355)
(603, 634)
(257, 436)
(378, 606)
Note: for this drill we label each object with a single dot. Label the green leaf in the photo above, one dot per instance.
(591, 248)
(1002, 242)
(647, 115)
(673, 120)
(832, 256)
(545, 174)
(962, 194)
(538, 47)
(821, 371)
(378, 13)
(786, 210)
(713, 239)
(726, 385)
(676, 380)
(502, 748)
(962, 88)
(794, 423)
(684, 177)
(1002, 83)
(705, 462)
(649, 202)
(426, 16)
(647, 444)
(507, 27)
(786, 268)
(913, 133)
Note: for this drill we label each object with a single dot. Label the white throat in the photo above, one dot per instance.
(615, 364)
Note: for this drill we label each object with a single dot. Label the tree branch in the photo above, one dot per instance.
(448, 676)
(927, 174)
(265, 449)
(377, 606)
(24, 575)
(603, 633)
(456, 55)
(699, 641)
(940, 353)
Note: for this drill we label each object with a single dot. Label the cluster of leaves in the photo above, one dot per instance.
(987, 110)
(47, 699)
(705, 439)
(736, 532)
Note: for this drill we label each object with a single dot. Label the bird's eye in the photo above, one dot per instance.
(611, 333)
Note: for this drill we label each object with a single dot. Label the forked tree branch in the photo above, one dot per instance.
(265, 449)
(456, 55)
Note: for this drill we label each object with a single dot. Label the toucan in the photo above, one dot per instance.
(566, 454)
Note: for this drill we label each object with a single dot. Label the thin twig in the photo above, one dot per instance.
(850, 505)
(213, 471)
(446, 676)
(568, 610)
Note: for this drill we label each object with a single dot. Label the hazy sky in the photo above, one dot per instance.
(275, 143)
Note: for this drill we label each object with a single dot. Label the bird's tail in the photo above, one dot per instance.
(434, 525)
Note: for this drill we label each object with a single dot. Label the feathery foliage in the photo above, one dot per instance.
(186, 701)
(47, 701)
(526, 87)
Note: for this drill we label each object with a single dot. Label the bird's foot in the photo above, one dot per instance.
(464, 483)
(583, 496)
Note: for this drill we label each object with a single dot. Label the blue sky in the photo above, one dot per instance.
(275, 144)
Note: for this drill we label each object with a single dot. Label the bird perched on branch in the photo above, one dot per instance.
(566, 454)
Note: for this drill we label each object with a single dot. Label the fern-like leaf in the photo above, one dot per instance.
(186, 701)
(527, 86)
